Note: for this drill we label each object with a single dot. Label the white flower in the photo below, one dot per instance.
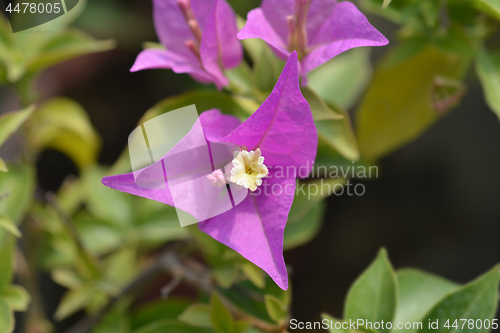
(248, 169)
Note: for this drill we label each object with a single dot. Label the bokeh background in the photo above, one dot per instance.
(435, 206)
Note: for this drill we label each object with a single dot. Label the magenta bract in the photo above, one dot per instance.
(199, 37)
(318, 29)
(284, 131)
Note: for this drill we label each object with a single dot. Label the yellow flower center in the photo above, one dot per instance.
(248, 169)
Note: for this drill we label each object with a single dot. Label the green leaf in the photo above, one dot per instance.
(6, 261)
(254, 274)
(430, 12)
(299, 231)
(276, 310)
(306, 213)
(16, 189)
(241, 326)
(250, 105)
(250, 299)
(66, 278)
(100, 236)
(116, 320)
(5, 35)
(240, 79)
(99, 298)
(73, 301)
(319, 109)
(393, 114)
(488, 70)
(267, 70)
(10, 122)
(6, 318)
(9, 225)
(225, 275)
(456, 40)
(196, 315)
(333, 124)
(207, 244)
(391, 13)
(386, 3)
(373, 297)
(174, 326)
(409, 47)
(339, 135)
(36, 48)
(70, 195)
(71, 44)
(331, 323)
(476, 300)
(3, 166)
(157, 223)
(121, 267)
(342, 80)
(62, 124)
(491, 7)
(16, 297)
(418, 293)
(104, 203)
(220, 317)
(158, 310)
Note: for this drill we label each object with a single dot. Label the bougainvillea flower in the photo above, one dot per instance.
(199, 37)
(274, 146)
(317, 29)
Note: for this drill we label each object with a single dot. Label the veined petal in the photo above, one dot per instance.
(319, 11)
(156, 58)
(202, 10)
(283, 126)
(276, 12)
(171, 26)
(256, 226)
(217, 125)
(258, 26)
(231, 48)
(346, 28)
(179, 178)
(219, 44)
(126, 183)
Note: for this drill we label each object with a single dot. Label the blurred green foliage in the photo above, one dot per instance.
(103, 246)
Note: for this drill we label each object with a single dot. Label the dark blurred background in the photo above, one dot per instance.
(435, 206)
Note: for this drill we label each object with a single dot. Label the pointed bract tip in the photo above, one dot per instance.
(105, 181)
(284, 285)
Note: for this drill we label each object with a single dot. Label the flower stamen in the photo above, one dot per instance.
(194, 26)
(297, 39)
(186, 9)
(193, 47)
(248, 169)
(195, 29)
